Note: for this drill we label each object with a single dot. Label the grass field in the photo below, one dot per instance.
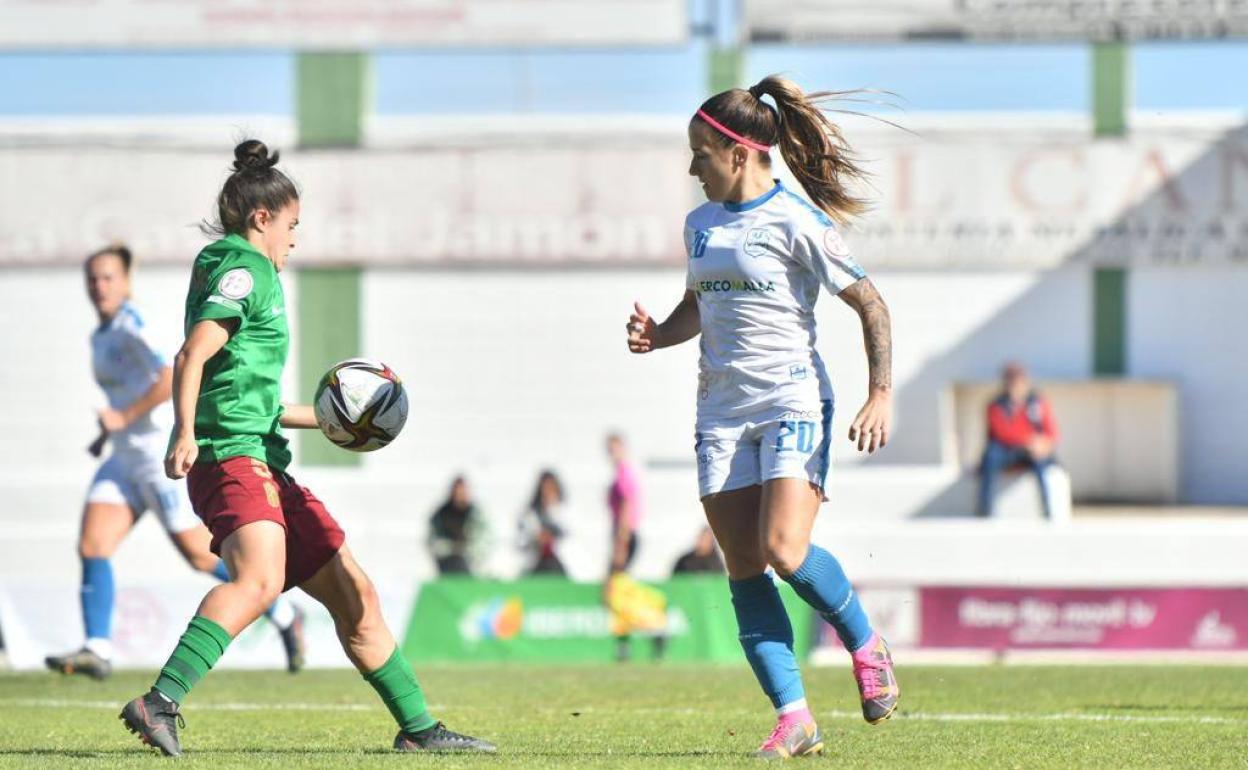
(655, 716)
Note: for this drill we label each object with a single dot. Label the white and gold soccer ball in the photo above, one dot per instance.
(360, 404)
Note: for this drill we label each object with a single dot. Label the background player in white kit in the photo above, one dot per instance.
(758, 253)
(137, 380)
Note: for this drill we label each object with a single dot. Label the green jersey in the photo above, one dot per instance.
(240, 395)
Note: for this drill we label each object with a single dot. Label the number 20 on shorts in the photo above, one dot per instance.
(795, 435)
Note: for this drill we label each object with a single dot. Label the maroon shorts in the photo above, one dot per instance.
(239, 490)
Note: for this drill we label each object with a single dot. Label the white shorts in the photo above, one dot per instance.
(778, 443)
(141, 483)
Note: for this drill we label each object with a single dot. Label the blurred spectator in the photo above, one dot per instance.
(703, 558)
(634, 608)
(452, 529)
(1021, 432)
(540, 528)
(624, 500)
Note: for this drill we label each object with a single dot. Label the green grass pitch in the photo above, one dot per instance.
(648, 716)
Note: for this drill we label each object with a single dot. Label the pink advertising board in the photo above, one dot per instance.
(1070, 618)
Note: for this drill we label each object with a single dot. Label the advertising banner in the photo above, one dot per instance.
(1067, 618)
(598, 205)
(972, 198)
(995, 20)
(42, 616)
(551, 619)
(337, 24)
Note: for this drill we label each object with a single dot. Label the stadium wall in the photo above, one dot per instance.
(512, 371)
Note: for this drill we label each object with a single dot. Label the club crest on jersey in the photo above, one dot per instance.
(756, 242)
(698, 247)
(236, 284)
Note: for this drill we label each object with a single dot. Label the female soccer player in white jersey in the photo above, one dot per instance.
(136, 379)
(757, 254)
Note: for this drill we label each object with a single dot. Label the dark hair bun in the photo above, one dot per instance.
(252, 155)
(123, 251)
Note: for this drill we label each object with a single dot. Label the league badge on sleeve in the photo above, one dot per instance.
(236, 284)
(833, 244)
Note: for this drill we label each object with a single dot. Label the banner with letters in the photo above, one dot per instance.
(1201, 619)
(996, 195)
(337, 24)
(552, 619)
(994, 20)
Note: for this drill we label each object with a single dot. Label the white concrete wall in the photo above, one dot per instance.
(513, 371)
(1189, 327)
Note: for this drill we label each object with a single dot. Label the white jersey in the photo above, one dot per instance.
(756, 268)
(126, 365)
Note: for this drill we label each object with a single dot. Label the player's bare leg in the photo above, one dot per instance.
(256, 555)
(351, 599)
(104, 526)
(194, 545)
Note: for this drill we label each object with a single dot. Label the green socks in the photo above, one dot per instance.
(197, 652)
(396, 684)
(204, 643)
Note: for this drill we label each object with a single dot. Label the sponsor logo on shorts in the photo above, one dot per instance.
(794, 414)
(797, 372)
(270, 492)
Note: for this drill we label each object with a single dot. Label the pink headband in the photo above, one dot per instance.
(733, 135)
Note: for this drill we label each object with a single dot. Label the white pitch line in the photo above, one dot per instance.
(917, 716)
(922, 716)
(107, 704)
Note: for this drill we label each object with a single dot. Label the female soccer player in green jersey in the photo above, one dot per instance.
(272, 533)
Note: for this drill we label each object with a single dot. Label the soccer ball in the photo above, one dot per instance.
(360, 405)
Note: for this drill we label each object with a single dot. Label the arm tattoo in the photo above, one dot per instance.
(876, 331)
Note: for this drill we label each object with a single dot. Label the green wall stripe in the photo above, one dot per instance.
(725, 69)
(1109, 318)
(1111, 88)
(332, 95)
(329, 331)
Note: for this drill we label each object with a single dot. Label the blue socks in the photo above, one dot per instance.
(220, 572)
(767, 638)
(97, 598)
(822, 584)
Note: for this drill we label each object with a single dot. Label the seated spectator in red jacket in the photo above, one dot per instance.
(1021, 431)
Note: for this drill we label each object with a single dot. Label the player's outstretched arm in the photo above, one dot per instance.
(205, 341)
(296, 416)
(684, 323)
(871, 427)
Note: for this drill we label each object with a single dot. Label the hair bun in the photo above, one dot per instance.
(253, 155)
